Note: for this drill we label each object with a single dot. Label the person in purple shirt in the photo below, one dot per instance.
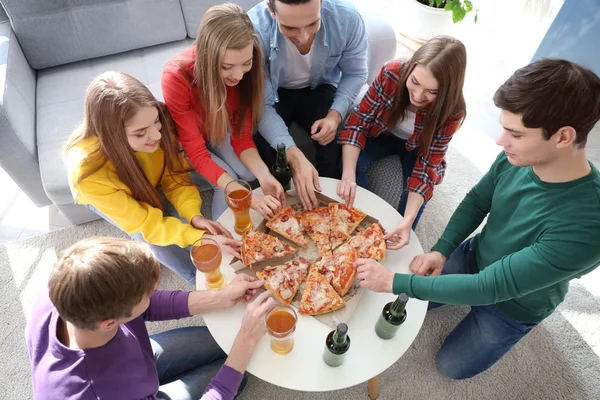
(87, 337)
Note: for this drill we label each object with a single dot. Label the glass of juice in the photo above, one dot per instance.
(206, 256)
(281, 324)
(238, 195)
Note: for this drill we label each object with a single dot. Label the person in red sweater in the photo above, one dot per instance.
(213, 91)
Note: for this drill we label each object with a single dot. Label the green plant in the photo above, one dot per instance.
(459, 8)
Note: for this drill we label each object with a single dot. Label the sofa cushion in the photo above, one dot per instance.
(60, 96)
(56, 32)
(193, 10)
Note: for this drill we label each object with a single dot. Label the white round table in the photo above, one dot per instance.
(303, 368)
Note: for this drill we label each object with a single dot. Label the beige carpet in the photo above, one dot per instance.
(557, 360)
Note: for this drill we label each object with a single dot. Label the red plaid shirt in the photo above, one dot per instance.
(368, 120)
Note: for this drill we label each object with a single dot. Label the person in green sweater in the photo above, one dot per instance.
(542, 200)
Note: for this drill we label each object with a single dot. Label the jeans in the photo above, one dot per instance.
(224, 155)
(186, 361)
(380, 147)
(305, 106)
(175, 258)
(483, 336)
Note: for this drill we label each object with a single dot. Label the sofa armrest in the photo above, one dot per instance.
(18, 152)
(382, 40)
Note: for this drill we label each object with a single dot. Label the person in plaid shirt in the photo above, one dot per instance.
(413, 108)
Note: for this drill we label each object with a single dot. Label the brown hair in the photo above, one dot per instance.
(223, 27)
(446, 58)
(112, 99)
(291, 2)
(102, 278)
(551, 94)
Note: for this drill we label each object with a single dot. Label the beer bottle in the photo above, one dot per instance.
(281, 169)
(336, 346)
(392, 316)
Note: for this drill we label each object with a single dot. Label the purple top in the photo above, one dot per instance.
(124, 368)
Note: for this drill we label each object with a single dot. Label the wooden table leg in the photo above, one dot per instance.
(374, 387)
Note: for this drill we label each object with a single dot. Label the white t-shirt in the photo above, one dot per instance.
(297, 71)
(405, 129)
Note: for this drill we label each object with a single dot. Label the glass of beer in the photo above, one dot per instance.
(206, 256)
(281, 324)
(238, 195)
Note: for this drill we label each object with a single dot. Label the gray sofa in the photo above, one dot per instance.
(51, 50)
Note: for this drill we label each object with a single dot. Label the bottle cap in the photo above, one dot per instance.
(403, 297)
(342, 328)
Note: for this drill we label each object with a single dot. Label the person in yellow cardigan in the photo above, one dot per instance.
(124, 164)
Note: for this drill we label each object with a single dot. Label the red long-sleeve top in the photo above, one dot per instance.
(181, 98)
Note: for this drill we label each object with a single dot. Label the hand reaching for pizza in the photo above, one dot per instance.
(212, 227)
(346, 189)
(270, 185)
(227, 245)
(399, 236)
(373, 275)
(306, 181)
(241, 288)
(253, 324)
(266, 205)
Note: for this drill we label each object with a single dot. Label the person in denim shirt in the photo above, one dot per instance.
(315, 55)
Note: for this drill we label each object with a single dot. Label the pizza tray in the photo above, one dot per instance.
(311, 253)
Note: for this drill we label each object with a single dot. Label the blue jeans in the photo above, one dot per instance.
(224, 155)
(186, 361)
(175, 258)
(483, 336)
(380, 147)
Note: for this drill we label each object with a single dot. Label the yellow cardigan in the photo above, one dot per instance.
(105, 191)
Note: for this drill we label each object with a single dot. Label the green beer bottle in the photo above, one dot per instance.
(336, 346)
(392, 316)
(281, 169)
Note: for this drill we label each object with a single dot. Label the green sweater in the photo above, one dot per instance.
(537, 238)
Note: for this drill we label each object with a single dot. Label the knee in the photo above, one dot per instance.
(453, 365)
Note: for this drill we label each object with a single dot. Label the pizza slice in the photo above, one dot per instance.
(316, 223)
(369, 243)
(284, 280)
(337, 237)
(338, 269)
(259, 246)
(287, 225)
(319, 297)
(344, 219)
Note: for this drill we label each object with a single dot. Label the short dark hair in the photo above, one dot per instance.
(553, 93)
(292, 2)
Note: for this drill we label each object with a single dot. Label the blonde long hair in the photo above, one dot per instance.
(111, 99)
(446, 58)
(223, 27)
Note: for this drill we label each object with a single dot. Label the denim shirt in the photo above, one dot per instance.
(339, 59)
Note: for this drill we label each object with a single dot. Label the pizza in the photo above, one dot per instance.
(259, 246)
(344, 221)
(287, 225)
(338, 269)
(316, 223)
(369, 243)
(319, 297)
(284, 280)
